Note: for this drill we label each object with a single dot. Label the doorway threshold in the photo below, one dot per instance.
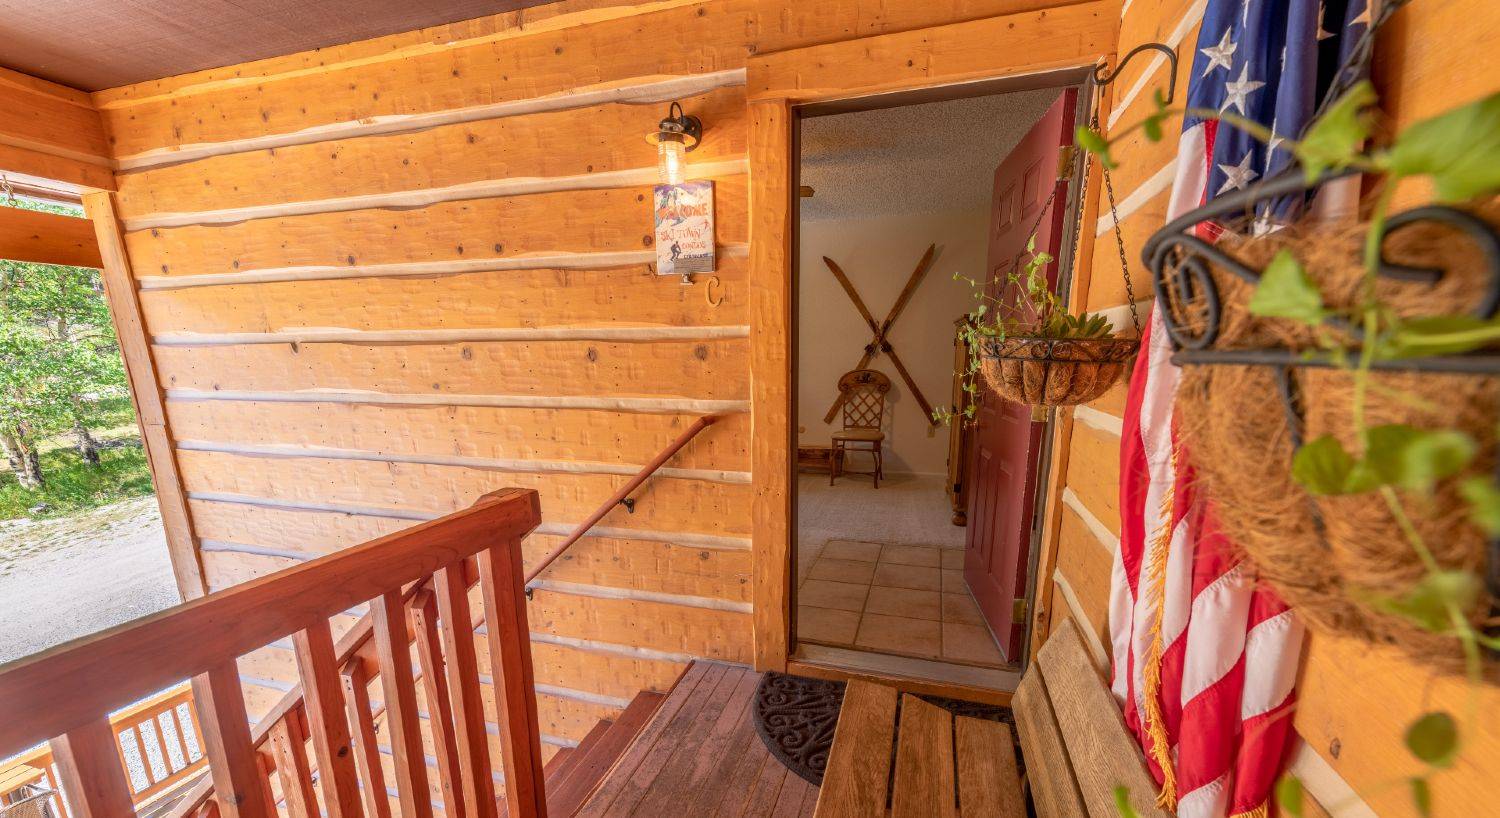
(918, 675)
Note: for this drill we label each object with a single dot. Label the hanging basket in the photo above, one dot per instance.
(1329, 556)
(1054, 371)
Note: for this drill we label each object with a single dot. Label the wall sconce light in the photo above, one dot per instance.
(673, 138)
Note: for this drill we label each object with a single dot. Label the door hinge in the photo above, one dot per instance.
(1067, 161)
(1018, 610)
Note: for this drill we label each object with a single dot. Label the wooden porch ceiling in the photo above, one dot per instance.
(97, 44)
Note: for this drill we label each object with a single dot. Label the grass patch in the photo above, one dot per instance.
(73, 487)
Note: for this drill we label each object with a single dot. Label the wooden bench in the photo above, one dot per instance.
(944, 765)
(1072, 736)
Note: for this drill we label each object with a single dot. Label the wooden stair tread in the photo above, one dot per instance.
(576, 755)
(924, 762)
(854, 782)
(989, 783)
(598, 753)
(561, 762)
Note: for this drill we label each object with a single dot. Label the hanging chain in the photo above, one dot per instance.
(1109, 190)
(10, 192)
(1114, 215)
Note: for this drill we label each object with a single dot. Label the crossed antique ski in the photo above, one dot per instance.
(881, 342)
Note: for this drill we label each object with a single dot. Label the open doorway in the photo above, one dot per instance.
(916, 538)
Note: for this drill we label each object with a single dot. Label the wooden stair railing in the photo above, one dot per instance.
(65, 694)
(620, 496)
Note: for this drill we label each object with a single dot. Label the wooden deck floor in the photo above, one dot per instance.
(701, 756)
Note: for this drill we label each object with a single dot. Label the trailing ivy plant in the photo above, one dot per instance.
(1037, 312)
(1458, 152)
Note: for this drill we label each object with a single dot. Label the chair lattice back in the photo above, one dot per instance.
(864, 398)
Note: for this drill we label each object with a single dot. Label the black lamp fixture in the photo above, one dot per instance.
(673, 138)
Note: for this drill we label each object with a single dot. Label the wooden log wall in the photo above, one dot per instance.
(1355, 702)
(382, 279)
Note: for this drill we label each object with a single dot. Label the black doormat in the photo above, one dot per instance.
(796, 717)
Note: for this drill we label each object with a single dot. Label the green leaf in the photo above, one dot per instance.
(1429, 603)
(1096, 144)
(1459, 149)
(1400, 455)
(1337, 137)
(1122, 803)
(1431, 456)
(1285, 291)
(1152, 127)
(1421, 796)
(1441, 335)
(1322, 466)
(1483, 497)
(1289, 795)
(1433, 738)
(1385, 448)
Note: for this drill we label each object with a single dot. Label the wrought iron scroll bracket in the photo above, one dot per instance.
(1103, 76)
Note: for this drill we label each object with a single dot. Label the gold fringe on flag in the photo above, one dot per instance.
(1156, 729)
(1262, 811)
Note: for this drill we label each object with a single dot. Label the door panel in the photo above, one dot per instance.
(1007, 443)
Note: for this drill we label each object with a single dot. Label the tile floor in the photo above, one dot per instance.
(907, 600)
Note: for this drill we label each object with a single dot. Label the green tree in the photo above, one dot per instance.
(58, 358)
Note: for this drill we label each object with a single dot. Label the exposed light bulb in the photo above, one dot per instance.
(671, 157)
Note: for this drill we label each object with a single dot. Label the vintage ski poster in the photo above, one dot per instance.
(685, 228)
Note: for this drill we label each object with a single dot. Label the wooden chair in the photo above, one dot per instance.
(863, 394)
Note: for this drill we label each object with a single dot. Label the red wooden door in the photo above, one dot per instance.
(1006, 440)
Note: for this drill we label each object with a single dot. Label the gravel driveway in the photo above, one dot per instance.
(65, 578)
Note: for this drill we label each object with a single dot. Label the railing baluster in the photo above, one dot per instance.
(225, 738)
(177, 723)
(264, 767)
(392, 647)
(464, 692)
(289, 748)
(161, 747)
(366, 752)
(504, 594)
(424, 618)
(88, 762)
(323, 703)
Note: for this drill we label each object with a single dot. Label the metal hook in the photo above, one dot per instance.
(1103, 76)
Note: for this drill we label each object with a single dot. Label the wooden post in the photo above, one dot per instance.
(322, 702)
(501, 582)
(146, 395)
(225, 739)
(772, 441)
(88, 761)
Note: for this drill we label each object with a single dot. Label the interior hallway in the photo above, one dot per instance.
(882, 570)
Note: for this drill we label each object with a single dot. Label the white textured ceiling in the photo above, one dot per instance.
(927, 158)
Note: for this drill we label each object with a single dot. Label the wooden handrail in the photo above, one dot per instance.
(62, 694)
(618, 497)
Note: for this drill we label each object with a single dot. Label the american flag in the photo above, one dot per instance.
(1205, 659)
